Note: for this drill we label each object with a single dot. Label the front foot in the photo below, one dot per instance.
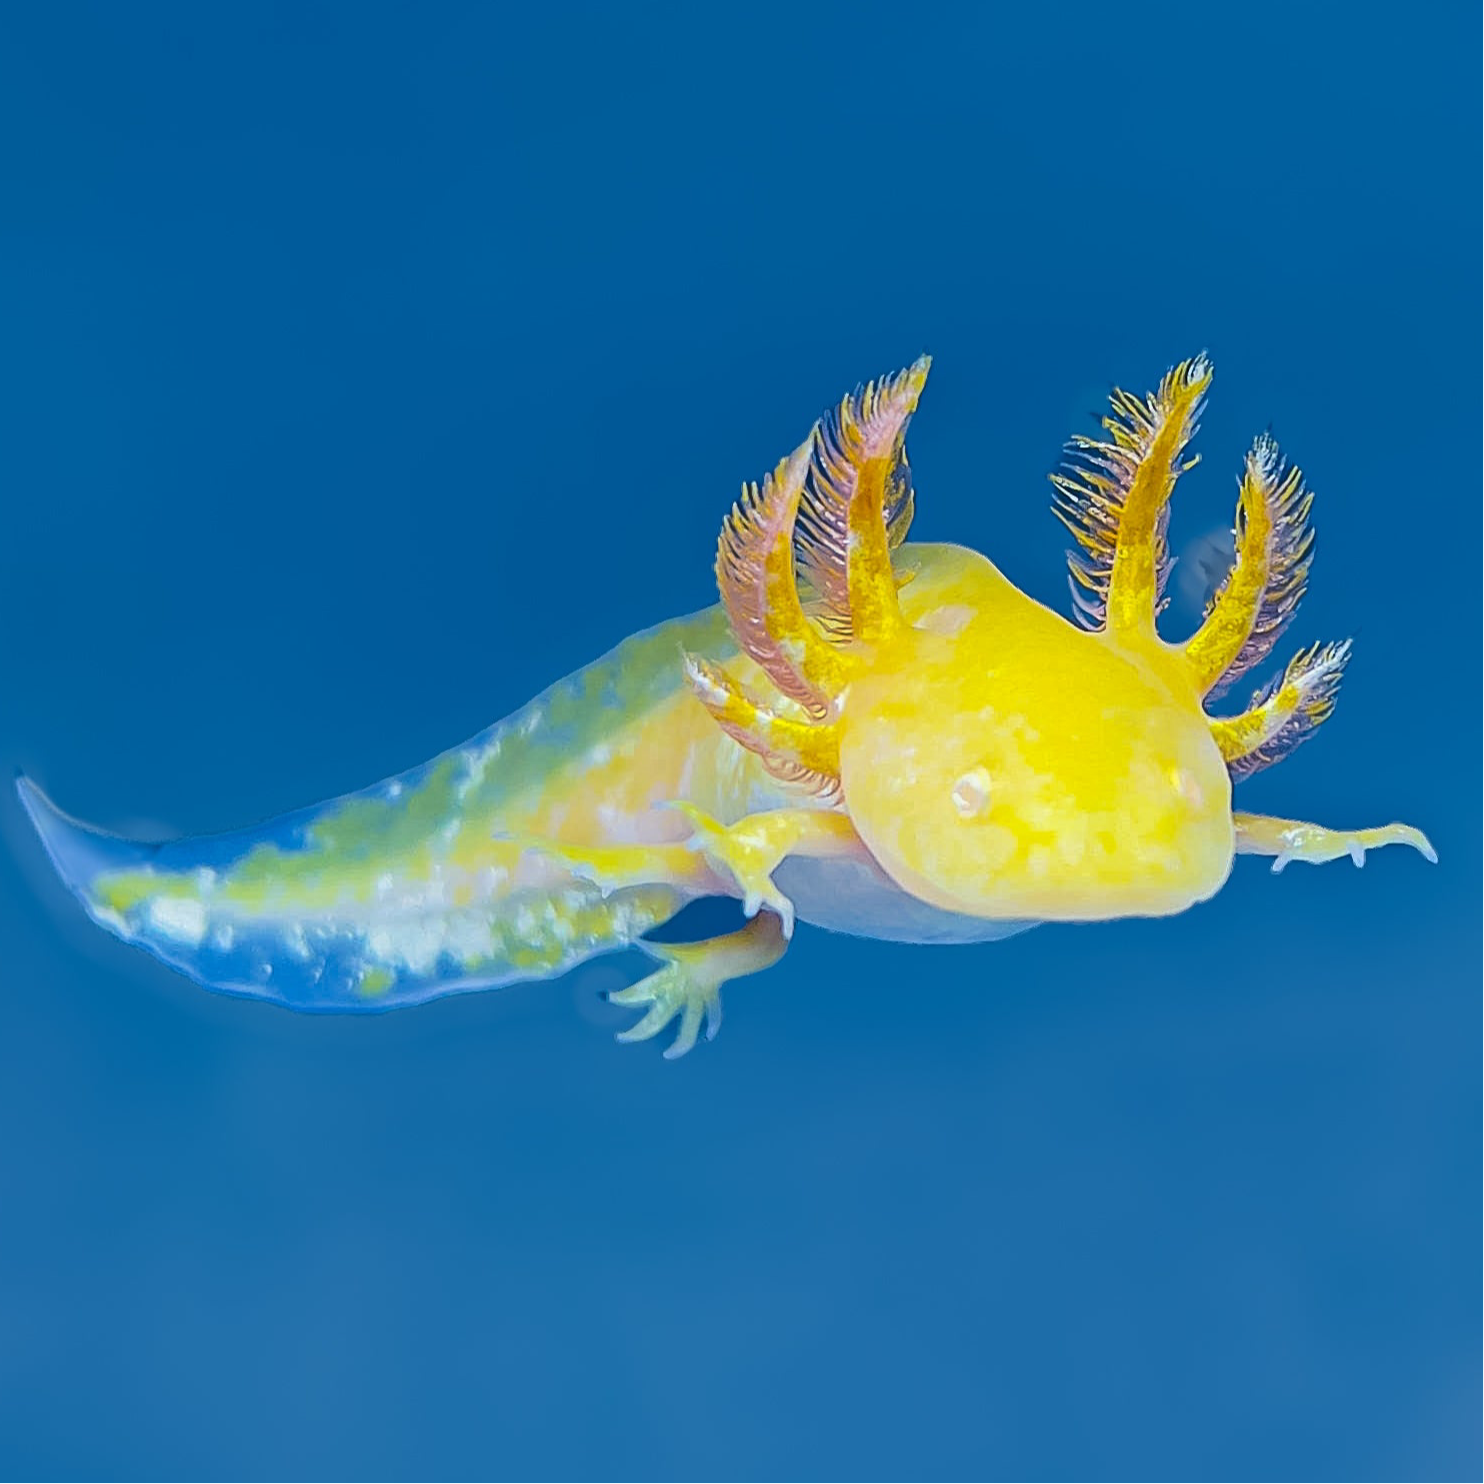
(688, 983)
(749, 852)
(1293, 840)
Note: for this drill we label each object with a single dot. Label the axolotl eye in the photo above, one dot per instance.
(970, 794)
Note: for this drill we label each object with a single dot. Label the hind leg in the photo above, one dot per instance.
(719, 860)
(688, 983)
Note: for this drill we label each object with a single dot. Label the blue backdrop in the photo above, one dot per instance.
(366, 368)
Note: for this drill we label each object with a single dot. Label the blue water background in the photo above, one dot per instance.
(364, 368)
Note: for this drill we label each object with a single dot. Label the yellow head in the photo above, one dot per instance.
(994, 758)
(999, 762)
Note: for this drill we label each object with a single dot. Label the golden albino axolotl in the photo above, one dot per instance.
(883, 739)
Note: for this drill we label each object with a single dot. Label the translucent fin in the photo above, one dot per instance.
(1260, 594)
(81, 853)
(313, 912)
(1113, 496)
(1284, 713)
(411, 888)
(861, 443)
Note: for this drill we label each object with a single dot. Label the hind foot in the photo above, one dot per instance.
(688, 983)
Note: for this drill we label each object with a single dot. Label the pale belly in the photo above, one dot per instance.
(859, 898)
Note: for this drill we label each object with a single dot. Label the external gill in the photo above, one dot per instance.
(858, 504)
(1284, 713)
(755, 576)
(867, 425)
(1262, 591)
(1114, 494)
(850, 488)
(793, 750)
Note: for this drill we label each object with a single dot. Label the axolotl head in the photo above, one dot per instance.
(1001, 763)
(996, 759)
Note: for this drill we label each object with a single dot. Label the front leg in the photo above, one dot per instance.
(753, 848)
(1293, 840)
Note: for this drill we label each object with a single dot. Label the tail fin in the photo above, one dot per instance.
(342, 907)
(153, 895)
(81, 853)
(415, 887)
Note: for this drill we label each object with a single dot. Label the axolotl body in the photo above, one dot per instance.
(879, 738)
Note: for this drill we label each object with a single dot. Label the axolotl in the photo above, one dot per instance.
(880, 738)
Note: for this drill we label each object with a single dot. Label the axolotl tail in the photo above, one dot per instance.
(419, 886)
(296, 913)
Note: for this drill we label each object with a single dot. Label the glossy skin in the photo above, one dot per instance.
(886, 740)
(1094, 788)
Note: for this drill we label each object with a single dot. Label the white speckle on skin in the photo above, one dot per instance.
(476, 761)
(419, 943)
(687, 771)
(1071, 841)
(1188, 787)
(178, 918)
(394, 790)
(470, 940)
(949, 621)
(113, 921)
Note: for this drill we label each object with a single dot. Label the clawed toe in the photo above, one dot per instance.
(749, 863)
(669, 992)
(1290, 840)
(687, 984)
